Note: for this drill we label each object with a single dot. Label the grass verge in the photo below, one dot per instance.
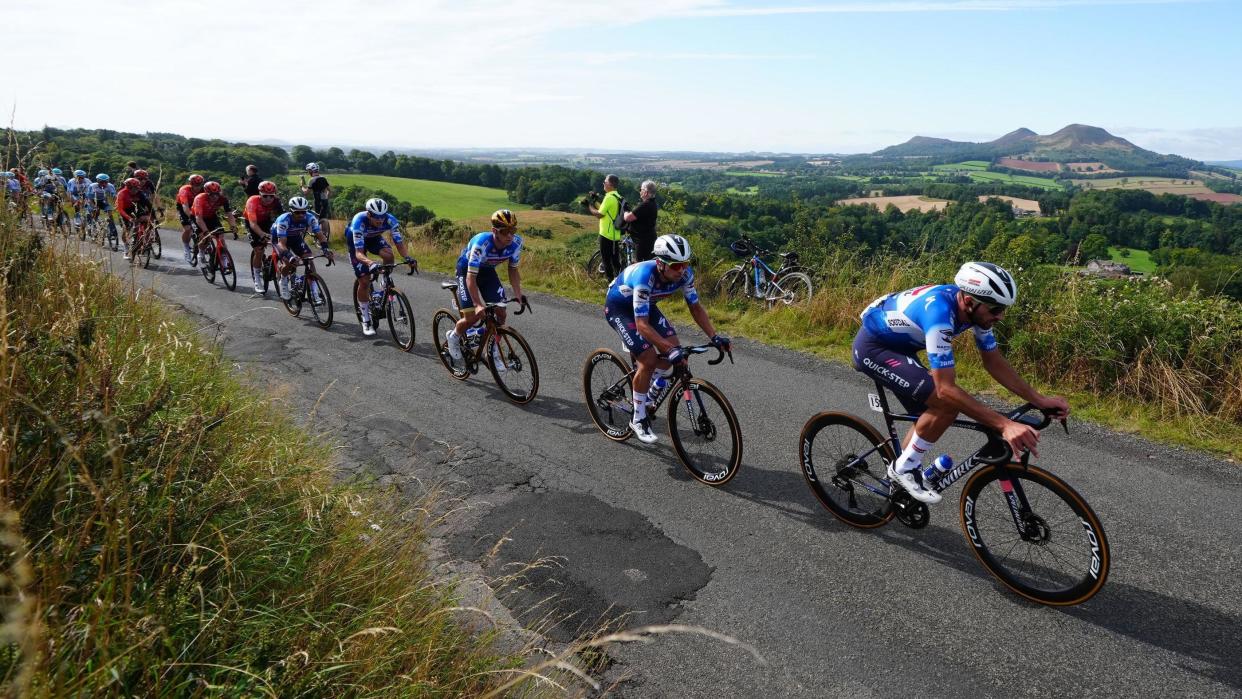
(168, 533)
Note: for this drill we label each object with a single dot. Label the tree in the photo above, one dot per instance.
(301, 155)
(1093, 247)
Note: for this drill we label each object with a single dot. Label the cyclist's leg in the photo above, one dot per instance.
(490, 289)
(323, 210)
(363, 276)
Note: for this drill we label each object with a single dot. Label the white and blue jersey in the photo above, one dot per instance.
(924, 317)
(100, 194)
(636, 290)
(362, 228)
(482, 253)
(13, 185)
(286, 227)
(78, 188)
(50, 184)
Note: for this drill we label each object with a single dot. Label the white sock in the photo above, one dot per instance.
(640, 406)
(366, 312)
(912, 457)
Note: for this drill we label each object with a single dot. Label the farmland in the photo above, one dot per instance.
(1137, 260)
(1015, 202)
(1031, 166)
(1028, 180)
(455, 201)
(903, 203)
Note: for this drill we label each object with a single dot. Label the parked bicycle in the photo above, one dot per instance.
(701, 422)
(305, 289)
(626, 253)
(502, 349)
(218, 259)
(387, 301)
(787, 285)
(1027, 527)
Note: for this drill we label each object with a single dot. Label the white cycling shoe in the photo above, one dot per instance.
(367, 329)
(642, 430)
(916, 490)
(497, 360)
(453, 342)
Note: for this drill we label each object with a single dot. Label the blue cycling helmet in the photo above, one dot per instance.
(79, 173)
(43, 173)
(56, 171)
(102, 177)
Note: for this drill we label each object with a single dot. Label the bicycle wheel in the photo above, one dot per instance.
(1060, 558)
(144, 249)
(293, 304)
(157, 247)
(792, 289)
(518, 374)
(209, 268)
(320, 300)
(705, 432)
(228, 270)
(844, 461)
(733, 284)
(606, 385)
(401, 321)
(440, 324)
(595, 267)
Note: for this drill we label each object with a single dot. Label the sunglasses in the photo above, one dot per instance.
(676, 266)
(268, 196)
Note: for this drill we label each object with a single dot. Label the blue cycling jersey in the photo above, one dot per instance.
(101, 192)
(640, 285)
(481, 251)
(78, 188)
(286, 227)
(50, 184)
(924, 317)
(363, 227)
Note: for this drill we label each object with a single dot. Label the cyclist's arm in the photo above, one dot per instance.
(1004, 373)
(700, 316)
(950, 394)
(515, 281)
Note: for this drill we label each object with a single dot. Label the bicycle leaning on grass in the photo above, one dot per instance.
(787, 285)
(1027, 527)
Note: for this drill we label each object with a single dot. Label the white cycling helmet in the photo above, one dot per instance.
(312, 167)
(298, 204)
(671, 248)
(377, 206)
(987, 282)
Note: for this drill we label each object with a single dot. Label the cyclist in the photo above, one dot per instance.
(185, 203)
(321, 196)
(261, 212)
(148, 187)
(134, 206)
(99, 197)
(631, 311)
(45, 186)
(364, 235)
(895, 327)
(76, 188)
(12, 187)
(206, 209)
(477, 282)
(289, 239)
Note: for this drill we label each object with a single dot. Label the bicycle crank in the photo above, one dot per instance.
(911, 512)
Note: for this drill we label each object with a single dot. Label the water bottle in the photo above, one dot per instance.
(942, 465)
(473, 335)
(377, 297)
(658, 384)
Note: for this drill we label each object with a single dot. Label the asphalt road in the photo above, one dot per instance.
(834, 611)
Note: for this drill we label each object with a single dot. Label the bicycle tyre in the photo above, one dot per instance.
(610, 412)
(293, 304)
(398, 306)
(228, 270)
(695, 464)
(440, 324)
(146, 254)
(1091, 539)
(849, 436)
(733, 284)
(794, 290)
(156, 245)
(323, 310)
(593, 267)
(515, 364)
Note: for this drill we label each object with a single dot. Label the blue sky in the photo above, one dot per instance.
(810, 76)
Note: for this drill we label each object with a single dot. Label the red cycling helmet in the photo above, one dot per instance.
(212, 187)
(132, 183)
(196, 180)
(267, 188)
(140, 174)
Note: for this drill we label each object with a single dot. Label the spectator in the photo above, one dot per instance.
(642, 221)
(130, 168)
(609, 236)
(320, 193)
(250, 182)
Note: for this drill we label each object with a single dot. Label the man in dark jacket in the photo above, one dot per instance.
(642, 221)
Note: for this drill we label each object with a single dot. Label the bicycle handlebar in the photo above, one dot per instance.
(524, 307)
(700, 349)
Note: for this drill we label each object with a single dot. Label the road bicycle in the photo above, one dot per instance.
(626, 253)
(389, 302)
(55, 220)
(701, 422)
(502, 349)
(305, 289)
(103, 231)
(1027, 527)
(788, 285)
(146, 242)
(219, 259)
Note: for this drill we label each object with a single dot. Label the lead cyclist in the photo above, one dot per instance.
(895, 327)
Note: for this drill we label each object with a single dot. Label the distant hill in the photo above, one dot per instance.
(1074, 143)
(1226, 163)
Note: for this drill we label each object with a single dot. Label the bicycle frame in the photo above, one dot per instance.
(677, 382)
(762, 272)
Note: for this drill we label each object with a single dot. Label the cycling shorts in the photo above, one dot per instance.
(213, 222)
(899, 372)
(489, 288)
(372, 247)
(258, 241)
(100, 204)
(185, 217)
(323, 208)
(297, 247)
(627, 328)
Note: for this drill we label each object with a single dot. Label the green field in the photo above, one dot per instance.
(975, 165)
(749, 173)
(455, 201)
(1041, 182)
(1138, 261)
